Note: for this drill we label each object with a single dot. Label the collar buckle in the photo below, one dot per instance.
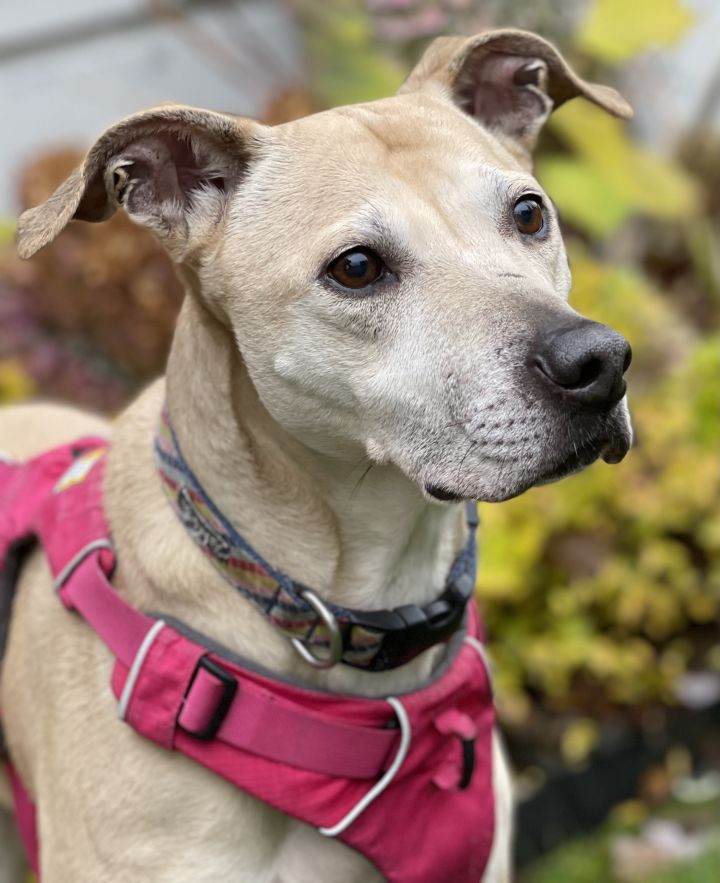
(424, 627)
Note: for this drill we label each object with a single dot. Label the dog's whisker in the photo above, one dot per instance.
(471, 446)
(360, 481)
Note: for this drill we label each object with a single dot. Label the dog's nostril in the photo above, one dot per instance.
(588, 374)
(571, 377)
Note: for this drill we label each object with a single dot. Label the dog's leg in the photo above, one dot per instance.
(300, 860)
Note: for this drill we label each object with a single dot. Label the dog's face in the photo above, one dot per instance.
(392, 273)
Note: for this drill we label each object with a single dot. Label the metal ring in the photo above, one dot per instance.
(329, 621)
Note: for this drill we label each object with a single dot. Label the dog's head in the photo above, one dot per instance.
(392, 274)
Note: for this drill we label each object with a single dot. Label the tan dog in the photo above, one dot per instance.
(379, 285)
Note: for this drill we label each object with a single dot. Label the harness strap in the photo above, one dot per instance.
(216, 703)
(321, 758)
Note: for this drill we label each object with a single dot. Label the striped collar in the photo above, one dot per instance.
(323, 633)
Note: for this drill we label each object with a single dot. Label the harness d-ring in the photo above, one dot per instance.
(387, 778)
(331, 624)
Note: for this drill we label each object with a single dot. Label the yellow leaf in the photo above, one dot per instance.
(15, 384)
(615, 30)
(7, 230)
(583, 195)
(346, 65)
(578, 740)
(636, 179)
(630, 813)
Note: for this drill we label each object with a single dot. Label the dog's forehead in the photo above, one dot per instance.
(403, 135)
(407, 157)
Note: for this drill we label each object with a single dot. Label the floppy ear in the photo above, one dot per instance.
(509, 80)
(170, 168)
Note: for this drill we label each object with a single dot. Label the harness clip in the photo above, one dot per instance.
(207, 700)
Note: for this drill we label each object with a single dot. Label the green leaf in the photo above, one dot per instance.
(7, 230)
(583, 194)
(616, 30)
(346, 66)
(623, 177)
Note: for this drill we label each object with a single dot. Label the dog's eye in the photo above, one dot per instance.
(356, 268)
(528, 215)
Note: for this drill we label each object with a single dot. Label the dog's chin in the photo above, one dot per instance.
(552, 470)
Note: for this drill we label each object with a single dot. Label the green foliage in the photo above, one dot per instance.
(15, 383)
(616, 30)
(7, 231)
(704, 870)
(607, 178)
(597, 581)
(580, 861)
(588, 859)
(345, 66)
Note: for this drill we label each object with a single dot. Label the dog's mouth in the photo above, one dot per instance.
(582, 455)
(437, 492)
(579, 458)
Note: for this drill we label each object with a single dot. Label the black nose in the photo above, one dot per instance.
(585, 361)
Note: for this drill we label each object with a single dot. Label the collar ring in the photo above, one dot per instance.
(328, 619)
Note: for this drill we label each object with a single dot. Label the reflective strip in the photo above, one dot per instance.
(379, 787)
(134, 672)
(75, 562)
(482, 653)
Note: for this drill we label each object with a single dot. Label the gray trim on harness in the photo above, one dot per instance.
(483, 654)
(451, 650)
(78, 559)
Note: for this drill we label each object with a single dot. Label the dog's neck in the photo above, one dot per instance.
(361, 535)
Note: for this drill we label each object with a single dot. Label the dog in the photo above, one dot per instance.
(376, 329)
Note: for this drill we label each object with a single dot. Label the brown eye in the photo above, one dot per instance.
(528, 215)
(357, 268)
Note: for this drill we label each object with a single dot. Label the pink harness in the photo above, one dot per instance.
(405, 780)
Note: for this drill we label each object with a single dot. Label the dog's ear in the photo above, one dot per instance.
(170, 168)
(509, 80)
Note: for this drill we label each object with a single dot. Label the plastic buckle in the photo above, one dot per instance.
(433, 623)
(425, 627)
(229, 685)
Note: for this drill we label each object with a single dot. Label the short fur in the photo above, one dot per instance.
(316, 419)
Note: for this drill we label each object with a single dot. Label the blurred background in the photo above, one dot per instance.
(601, 594)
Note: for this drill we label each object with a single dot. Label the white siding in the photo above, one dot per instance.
(230, 57)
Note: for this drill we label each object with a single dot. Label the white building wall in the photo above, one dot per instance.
(68, 69)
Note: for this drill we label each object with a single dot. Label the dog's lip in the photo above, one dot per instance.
(615, 450)
(611, 450)
(581, 457)
(437, 492)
